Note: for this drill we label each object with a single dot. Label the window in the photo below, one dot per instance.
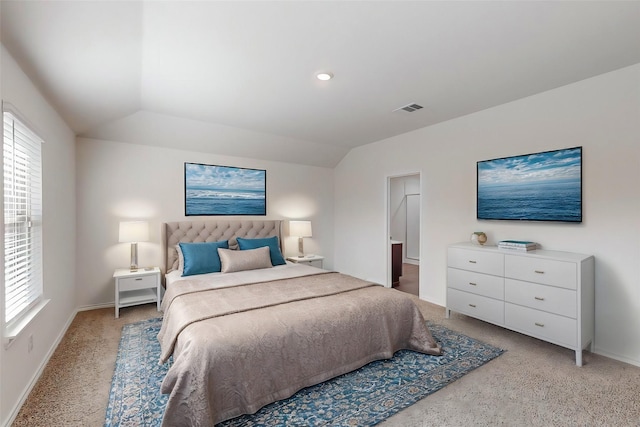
(22, 221)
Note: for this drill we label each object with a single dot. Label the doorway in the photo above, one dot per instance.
(403, 225)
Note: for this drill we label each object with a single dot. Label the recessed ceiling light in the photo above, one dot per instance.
(324, 76)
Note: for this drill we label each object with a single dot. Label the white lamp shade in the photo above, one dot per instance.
(300, 228)
(134, 231)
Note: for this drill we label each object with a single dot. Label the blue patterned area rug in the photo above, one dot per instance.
(363, 397)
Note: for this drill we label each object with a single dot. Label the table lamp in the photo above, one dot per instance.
(134, 232)
(300, 229)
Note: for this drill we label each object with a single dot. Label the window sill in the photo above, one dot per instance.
(13, 331)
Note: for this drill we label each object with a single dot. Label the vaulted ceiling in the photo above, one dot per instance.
(238, 77)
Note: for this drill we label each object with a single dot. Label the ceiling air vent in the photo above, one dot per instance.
(410, 108)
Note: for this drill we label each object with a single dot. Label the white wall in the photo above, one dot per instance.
(602, 114)
(19, 368)
(119, 181)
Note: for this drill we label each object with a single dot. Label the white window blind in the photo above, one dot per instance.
(22, 218)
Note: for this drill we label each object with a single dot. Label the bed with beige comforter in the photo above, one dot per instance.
(242, 341)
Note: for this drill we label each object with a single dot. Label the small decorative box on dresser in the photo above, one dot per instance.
(137, 287)
(549, 295)
(312, 260)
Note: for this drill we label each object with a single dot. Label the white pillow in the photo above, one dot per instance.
(180, 259)
(250, 259)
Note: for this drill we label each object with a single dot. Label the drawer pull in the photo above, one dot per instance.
(538, 271)
(472, 262)
(139, 278)
(539, 298)
(473, 284)
(472, 305)
(539, 324)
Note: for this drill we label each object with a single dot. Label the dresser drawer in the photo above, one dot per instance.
(135, 283)
(545, 271)
(540, 324)
(477, 283)
(476, 306)
(541, 297)
(479, 261)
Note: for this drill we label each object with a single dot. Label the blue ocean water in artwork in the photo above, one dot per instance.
(212, 201)
(538, 201)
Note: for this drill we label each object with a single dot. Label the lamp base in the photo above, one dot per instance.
(134, 257)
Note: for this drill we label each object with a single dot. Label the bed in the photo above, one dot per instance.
(243, 339)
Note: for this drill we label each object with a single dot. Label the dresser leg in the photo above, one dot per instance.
(447, 313)
(579, 357)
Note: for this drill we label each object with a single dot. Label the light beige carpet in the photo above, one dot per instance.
(532, 384)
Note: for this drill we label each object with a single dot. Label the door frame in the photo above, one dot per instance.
(388, 221)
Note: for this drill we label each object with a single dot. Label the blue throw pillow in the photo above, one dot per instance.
(271, 242)
(201, 258)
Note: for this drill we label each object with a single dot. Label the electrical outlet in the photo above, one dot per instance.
(30, 345)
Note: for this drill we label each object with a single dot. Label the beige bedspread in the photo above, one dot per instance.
(239, 347)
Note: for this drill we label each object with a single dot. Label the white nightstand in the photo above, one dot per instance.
(312, 260)
(137, 287)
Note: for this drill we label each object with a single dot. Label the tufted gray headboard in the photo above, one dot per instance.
(212, 231)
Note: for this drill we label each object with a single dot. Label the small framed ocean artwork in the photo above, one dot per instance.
(224, 190)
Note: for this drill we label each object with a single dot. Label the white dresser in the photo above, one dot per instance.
(545, 294)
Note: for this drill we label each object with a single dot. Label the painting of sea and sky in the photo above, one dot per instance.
(543, 186)
(224, 190)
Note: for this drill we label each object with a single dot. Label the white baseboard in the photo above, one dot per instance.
(411, 261)
(616, 357)
(95, 306)
(38, 373)
(431, 301)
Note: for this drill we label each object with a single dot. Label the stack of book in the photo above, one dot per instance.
(517, 245)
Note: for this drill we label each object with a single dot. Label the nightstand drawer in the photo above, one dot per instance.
(477, 306)
(317, 263)
(477, 283)
(135, 283)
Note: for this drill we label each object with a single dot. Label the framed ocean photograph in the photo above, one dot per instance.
(545, 186)
(224, 190)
